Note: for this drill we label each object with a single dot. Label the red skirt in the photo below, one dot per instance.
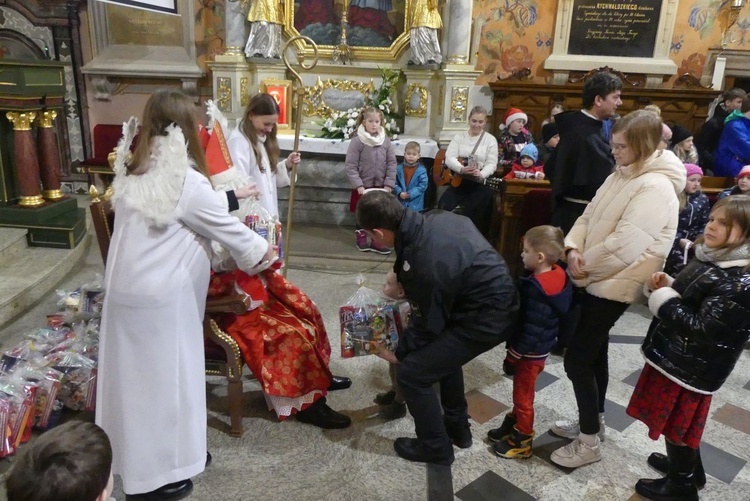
(669, 409)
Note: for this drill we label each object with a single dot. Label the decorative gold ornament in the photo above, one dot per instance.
(21, 121)
(455, 59)
(459, 104)
(52, 194)
(244, 92)
(46, 119)
(413, 91)
(313, 104)
(224, 94)
(34, 201)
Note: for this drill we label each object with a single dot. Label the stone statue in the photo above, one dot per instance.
(424, 23)
(266, 19)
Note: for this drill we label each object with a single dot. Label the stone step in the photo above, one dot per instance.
(33, 274)
(12, 244)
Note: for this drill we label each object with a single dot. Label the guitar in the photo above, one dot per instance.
(443, 175)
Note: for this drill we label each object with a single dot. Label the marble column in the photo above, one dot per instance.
(459, 34)
(49, 156)
(25, 162)
(234, 26)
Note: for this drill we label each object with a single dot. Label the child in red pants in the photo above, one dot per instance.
(546, 294)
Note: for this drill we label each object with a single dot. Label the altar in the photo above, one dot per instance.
(322, 190)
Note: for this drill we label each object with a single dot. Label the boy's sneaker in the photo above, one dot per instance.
(362, 244)
(385, 398)
(571, 429)
(506, 428)
(380, 249)
(394, 410)
(577, 454)
(515, 446)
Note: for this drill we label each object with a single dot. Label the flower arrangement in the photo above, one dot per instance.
(340, 125)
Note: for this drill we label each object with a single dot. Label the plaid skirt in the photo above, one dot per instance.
(669, 409)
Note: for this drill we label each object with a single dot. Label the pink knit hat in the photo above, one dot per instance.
(693, 169)
(744, 172)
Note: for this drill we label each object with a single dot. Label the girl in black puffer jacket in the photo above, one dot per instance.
(701, 326)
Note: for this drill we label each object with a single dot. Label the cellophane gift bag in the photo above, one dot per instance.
(362, 322)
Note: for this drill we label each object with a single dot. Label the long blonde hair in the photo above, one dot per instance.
(164, 108)
(736, 213)
(642, 132)
(262, 105)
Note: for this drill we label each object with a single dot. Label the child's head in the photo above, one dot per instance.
(635, 137)
(515, 120)
(729, 223)
(550, 136)
(543, 246)
(528, 156)
(694, 176)
(165, 108)
(259, 124)
(743, 180)
(556, 108)
(392, 287)
(372, 119)
(411, 152)
(682, 138)
(733, 98)
(653, 108)
(666, 137)
(72, 462)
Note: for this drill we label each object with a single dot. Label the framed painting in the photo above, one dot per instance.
(281, 91)
(166, 6)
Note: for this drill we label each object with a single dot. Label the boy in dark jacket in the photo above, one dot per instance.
(546, 295)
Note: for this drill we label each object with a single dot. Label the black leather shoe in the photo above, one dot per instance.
(413, 450)
(209, 458)
(459, 433)
(660, 463)
(339, 383)
(169, 492)
(396, 410)
(322, 416)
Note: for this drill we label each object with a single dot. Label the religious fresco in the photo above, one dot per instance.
(209, 30)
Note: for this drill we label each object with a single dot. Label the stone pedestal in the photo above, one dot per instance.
(49, 156)
(456, 82)
(25, 160)
(420, 102)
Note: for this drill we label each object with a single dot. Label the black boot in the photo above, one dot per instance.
(659, 462)
(515, 446)
(339, 383)
(322, 416)
(497, 434)
(679, 484)
(169, 492)
(459, 433)
(413, 450)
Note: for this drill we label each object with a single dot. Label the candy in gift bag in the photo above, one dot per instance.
(388, 326)
(48, 381)
(20, 406)
(359, 321)
(78, 388)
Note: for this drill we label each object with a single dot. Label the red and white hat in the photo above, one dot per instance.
(744, 172)
(513, 114)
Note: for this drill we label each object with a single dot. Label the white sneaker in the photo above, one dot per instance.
(577, 454)
(571, 429)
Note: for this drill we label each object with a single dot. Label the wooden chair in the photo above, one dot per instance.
(223, 356)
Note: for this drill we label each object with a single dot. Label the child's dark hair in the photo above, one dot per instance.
(547, 239)
(411, 146)
(262, 105)
(378, 209)
(69, 463)
(367, 111)
(601, 84)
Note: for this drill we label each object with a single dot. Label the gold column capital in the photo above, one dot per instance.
(21, 121)
(46, 119)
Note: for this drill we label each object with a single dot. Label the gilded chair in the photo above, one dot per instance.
(223, 356)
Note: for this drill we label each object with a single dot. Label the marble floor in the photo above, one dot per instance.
(297, 462)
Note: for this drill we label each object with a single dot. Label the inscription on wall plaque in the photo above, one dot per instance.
(615, 28)
(128, 26)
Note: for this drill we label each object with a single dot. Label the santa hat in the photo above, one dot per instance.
(513, 114)
(693, 169)
(744, 172)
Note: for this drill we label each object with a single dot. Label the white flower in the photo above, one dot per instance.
(387, 126)
(395, 136)
(351, 122)
(381, 107)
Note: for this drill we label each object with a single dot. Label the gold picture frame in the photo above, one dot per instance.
(281, 91)
(419, 92)
(313, 102)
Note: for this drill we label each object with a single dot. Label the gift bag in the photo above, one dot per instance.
(360, 322)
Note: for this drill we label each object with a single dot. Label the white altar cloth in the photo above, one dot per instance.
(428, 147)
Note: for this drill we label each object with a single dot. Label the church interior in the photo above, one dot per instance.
(73, 72)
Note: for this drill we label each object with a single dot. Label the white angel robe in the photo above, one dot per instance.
(151, 394)
(268, 182)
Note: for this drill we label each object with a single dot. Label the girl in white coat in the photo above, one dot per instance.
(151, 394)
(622, 238)
(255, 150)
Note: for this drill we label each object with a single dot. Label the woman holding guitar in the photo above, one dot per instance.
(472, 158)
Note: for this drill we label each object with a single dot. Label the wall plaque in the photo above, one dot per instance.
(128, 26)
(624, 28)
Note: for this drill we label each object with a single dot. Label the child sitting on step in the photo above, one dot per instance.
(546, 294)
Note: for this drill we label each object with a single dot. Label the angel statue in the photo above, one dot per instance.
(423, 25)
(266, 19)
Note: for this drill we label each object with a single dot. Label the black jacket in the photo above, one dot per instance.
(582, 160)
(692, 222)
(453, 279)
(698, 337)
(707, 139)
(540, 316)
